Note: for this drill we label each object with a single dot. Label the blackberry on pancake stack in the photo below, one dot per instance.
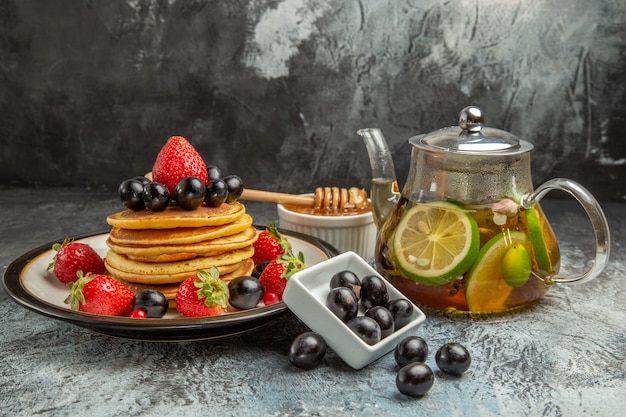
(158, 246)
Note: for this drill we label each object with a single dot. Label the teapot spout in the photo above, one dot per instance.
(384, 192)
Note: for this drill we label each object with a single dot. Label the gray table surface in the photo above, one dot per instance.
(563, 357)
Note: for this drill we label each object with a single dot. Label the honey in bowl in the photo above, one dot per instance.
(345, 222)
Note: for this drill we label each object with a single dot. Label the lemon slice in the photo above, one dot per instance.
(436, 242)
(485, 288)
(540, 249)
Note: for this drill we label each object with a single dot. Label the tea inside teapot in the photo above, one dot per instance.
(477, 259)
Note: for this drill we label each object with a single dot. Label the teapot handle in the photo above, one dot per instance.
(595, 214)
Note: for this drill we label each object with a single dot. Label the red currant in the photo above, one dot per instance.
(138, 313)
(270, 298)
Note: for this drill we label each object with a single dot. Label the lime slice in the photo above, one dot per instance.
(540, 249)
(485, 288)
(435, 243)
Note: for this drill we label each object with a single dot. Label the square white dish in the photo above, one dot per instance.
(305, 295)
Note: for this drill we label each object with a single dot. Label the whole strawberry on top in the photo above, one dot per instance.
(72, 257)
(176, 160)
(276, 274)
(269, 245)
(202, 295)
(99, 294)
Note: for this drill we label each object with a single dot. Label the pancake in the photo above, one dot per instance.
(169, 290)
(164, 258)
(179, 235)
(177, 252)
(174, 216)
(121, 266)
(159, 279)
(244, 270)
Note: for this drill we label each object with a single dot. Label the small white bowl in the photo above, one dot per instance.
(305, 295)
(356, 233)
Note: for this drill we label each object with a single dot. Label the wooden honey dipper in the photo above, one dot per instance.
(325, 199)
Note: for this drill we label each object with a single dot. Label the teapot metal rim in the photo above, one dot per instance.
(423, 142)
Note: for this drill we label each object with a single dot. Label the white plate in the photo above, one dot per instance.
(30, 285)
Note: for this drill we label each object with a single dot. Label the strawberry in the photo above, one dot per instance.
(176, 160)
(275, 275)
(202, 295)
(99, 294)
(72, 257)
(269, 245)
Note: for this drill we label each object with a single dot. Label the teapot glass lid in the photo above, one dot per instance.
(472, 137)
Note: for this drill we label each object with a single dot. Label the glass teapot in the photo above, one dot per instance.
(467, 232)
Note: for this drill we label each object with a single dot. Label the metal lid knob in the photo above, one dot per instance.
(471, 119)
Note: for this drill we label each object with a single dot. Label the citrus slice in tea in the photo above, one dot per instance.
(485, 287)
(540, 249)
(516, 265)
(435, 243)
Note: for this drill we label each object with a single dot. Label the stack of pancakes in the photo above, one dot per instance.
(159, 250)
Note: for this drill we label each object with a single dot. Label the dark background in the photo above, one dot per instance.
(273, 91)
